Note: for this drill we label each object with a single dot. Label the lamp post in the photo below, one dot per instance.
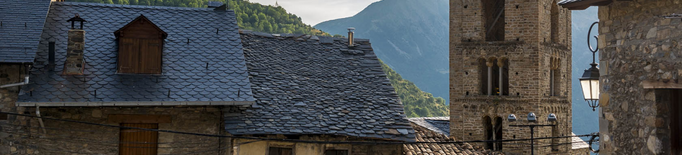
(590, 80)
(532, 118)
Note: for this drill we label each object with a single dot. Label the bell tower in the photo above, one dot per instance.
(510, 57)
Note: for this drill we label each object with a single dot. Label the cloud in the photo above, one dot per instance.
(315, 11)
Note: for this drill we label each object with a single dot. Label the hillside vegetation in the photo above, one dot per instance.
(251, 16)
(274, 19)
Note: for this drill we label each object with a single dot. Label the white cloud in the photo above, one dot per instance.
(315, 11)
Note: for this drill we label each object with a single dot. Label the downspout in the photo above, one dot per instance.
(16, 84)
(40, 119)
(20, 83)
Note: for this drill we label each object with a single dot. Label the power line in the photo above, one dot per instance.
(294, 140)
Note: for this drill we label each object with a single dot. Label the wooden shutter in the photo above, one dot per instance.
(150, 56)
(138, 142)
(128, 51)
(280, 151)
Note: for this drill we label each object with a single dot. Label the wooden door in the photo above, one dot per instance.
(138, 142)
(129, 49)
(676, 122)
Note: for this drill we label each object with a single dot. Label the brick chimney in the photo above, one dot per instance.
(74, 51)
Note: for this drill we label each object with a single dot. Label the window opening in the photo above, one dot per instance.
(498, 133)
(280, 151)
(488, 124)
(675, 105)
(483, 73)
(554, 32)
(336, 152)
(493, 13)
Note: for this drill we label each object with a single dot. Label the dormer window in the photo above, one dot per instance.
(140, 46)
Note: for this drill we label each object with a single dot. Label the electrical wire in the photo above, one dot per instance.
(294, 140)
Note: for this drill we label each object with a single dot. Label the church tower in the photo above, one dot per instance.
(510, 57)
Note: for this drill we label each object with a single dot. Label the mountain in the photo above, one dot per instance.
(410, 36)
(417, 103)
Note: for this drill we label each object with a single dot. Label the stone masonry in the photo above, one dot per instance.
(640, 61)
(532, 50)
(74, 53)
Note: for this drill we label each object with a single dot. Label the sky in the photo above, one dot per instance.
(315, 11)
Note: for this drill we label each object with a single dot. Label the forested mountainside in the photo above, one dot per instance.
(410, 36)
(274, 19)
(417, 102)
(251, 16)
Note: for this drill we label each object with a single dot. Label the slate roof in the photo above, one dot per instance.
(21, 24)
(317, 85)
(185, 75)
(424, 134)
(440, 125)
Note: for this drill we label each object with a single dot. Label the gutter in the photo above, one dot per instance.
(16, 84)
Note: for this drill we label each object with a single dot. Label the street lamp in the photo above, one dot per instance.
(590, 80)
(532, 118)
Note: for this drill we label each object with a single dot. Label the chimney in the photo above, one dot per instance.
(350, 36)
(74, 51)
(217, 6)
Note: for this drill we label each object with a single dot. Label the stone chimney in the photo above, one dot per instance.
(75, 63)
(350, 36)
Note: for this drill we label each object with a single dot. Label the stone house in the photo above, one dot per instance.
(639, 68)
(510, 57)
(114, 79)
(317, 88)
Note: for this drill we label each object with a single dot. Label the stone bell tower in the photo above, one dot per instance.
(510, 57)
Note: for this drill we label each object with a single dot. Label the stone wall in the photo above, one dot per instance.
(639, 48)
(249, 147)
(9, 74)
(77, 138)
(531, 51)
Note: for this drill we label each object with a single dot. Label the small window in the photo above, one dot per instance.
(336, 152)
(555, 77)
(138, 142)
(483, 75)
(280, 151)
(140, 45)
(554, 21)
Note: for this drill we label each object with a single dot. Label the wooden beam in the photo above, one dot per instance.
(139, 119)
(661, 85)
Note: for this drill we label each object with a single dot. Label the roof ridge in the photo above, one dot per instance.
(90, 4)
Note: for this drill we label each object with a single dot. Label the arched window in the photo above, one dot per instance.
(488, 124)
(554, 32)
(555, 77)
(493, 15)
(494, 76)
(498, 133)
(502, 86)
(483, 75)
